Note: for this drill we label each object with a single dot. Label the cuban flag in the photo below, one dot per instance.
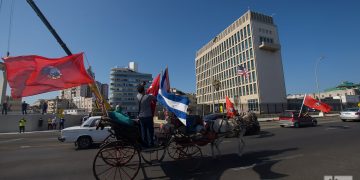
(173, 103)
(242, 71)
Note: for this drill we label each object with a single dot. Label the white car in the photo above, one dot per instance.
(350, 114)
(85, 135)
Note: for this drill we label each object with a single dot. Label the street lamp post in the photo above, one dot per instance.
(317, 83)
(212, 58)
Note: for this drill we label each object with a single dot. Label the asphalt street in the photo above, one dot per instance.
(331, 148)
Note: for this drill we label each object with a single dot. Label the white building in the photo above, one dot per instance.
(3, 83)
(123, 86)
(252, 42)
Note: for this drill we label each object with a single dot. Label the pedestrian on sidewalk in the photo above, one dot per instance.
(24, 106)
(4, 108)
(61, 124)
(44, 108)
(49, 124)
(22, 125)
(54, 122)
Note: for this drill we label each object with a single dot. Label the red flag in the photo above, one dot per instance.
(154, 90)
(313, 103)
(230, 110)
(30, 75)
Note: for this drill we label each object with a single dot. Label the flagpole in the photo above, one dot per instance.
(302, 105)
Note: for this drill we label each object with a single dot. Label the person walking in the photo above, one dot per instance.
(145, 116)
(61, 124)
(22, 125)
(24, 107)
(54, 122)
(4, 108)
(44, 108)
(49, 124)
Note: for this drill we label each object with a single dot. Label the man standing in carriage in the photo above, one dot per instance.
(146, 116)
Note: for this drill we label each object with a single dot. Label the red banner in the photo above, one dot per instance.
(230, 110)
(313, 103)
(31, 75)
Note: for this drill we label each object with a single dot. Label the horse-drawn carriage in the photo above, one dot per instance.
(121, 154)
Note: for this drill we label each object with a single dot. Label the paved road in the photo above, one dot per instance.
(332, 148)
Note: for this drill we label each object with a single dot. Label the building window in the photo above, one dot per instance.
(253, 104)
(255, 88)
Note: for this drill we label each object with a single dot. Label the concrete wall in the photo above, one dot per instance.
(10, 122)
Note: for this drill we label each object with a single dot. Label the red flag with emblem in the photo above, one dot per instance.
(230, 110)
(31, 75)
(313, 103)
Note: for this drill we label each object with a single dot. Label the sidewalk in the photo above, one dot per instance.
(277, 118)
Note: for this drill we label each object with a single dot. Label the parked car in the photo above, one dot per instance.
(85, 135)
(292, 119)
(252, 124)
(350, 114)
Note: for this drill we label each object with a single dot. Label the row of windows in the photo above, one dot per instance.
(123, 99)
(244, 50)
(262, 18)
(204, 79)
(219, 66)
(230, 83)
(265, 31)
(227, 44)
(266, 39)
(239, 91)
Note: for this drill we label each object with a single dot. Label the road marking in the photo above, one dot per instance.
(11, 140)
(24, 147)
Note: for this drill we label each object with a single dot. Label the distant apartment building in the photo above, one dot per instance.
(123, 86)
(347, 92)
(252, 42)
(3, 83)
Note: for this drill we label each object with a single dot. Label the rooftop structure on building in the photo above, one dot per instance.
(252, 42)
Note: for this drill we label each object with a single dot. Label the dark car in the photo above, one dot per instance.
(294, 119)
(252, 124)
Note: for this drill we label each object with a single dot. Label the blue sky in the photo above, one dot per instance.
(157, 33)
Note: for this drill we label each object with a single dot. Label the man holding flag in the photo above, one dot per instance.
(146, 116)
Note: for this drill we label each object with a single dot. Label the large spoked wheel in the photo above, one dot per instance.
(188, 155)
(117, 160)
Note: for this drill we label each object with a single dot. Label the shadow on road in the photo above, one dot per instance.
(259, 161)
(265, 134)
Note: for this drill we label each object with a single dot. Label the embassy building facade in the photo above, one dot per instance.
(252, 42)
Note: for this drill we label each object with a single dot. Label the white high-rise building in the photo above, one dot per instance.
(3, 83)
(251, 42)
(123, 87)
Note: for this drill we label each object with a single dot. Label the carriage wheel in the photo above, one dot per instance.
(175, 150)
(189, 155)
(117, 160)
(192, 158)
